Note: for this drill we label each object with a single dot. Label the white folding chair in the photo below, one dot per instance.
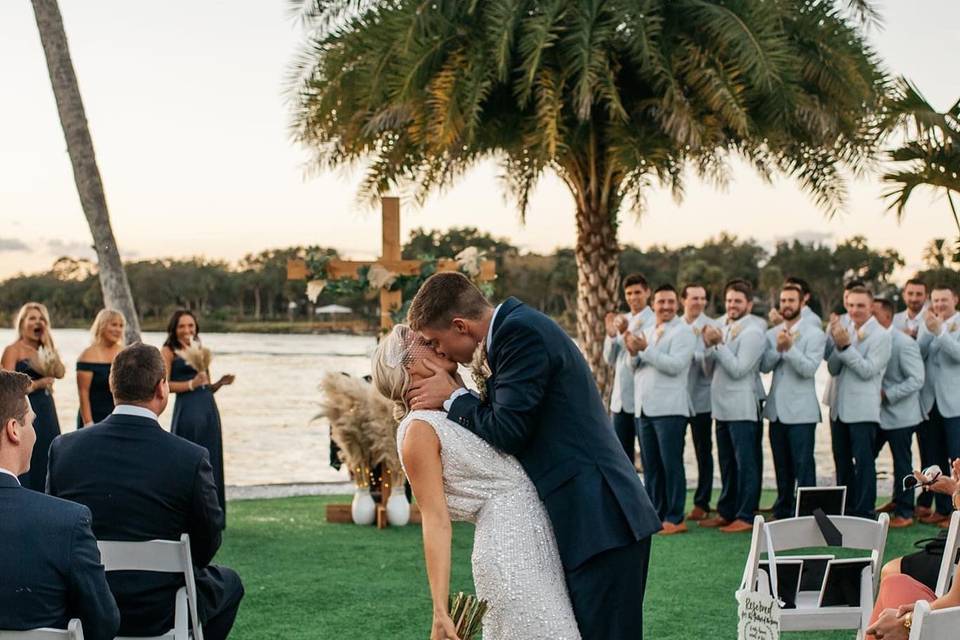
(934, 625)
(74, 631)
(803, 533)
(950, 564)
(165, 556)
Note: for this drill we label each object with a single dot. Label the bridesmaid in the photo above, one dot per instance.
(195, 414)
(33, 331)
(93, 367)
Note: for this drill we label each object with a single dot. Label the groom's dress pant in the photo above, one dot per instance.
(701, 431)
(661, 450)
(607, 592)
(740, 479)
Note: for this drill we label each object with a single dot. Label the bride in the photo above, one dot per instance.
(457, 476)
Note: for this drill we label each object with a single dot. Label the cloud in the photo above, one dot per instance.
(12, 244)
(808, 236)
(69, 248)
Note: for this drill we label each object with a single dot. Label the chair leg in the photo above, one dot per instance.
(181, 628)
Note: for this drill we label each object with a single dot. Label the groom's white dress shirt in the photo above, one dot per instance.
(10, 473)
(131, 410)
(462, 390)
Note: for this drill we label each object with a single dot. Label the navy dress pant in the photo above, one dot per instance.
(625, 426)
(858, 442)
(661, 450)
(701, 431)
(793, 463)
(737, 453)
(900, 441)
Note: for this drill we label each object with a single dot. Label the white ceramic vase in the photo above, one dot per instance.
(398, 510)
(363, 509)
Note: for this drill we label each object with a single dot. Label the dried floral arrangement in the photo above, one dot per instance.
(196, 355)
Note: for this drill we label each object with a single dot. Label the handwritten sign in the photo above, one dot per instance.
(758, 615)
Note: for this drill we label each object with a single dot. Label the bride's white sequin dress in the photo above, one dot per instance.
(516, 566)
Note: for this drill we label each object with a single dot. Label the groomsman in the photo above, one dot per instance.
(806, 313)
(640, 317)
(857, 364)
(732, 358)
(794, 352)
(830, 392)
(698, 385)
(939, 338)
(915, 298)
(899, 410)
(661, 357)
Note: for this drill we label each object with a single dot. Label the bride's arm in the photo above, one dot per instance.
(421, 456)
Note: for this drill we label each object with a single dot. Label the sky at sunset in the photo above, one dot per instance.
(187, 108)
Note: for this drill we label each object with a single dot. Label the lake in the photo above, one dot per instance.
(269, 431)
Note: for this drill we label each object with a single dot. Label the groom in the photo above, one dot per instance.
(542, 405)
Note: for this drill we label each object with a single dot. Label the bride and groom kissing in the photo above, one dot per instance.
(562, 522)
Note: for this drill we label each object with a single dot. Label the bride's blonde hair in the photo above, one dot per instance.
(389, 375)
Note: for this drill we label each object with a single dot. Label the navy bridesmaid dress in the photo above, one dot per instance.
(101, 400)
(196, 418)
(47, 427)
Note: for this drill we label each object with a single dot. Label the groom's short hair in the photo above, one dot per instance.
(443, 297)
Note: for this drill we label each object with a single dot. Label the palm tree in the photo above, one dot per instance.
(610, 95)
(930, 157)
(938, 256)
(113, 278)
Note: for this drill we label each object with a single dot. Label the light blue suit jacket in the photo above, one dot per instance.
(902, 384)
(734, 367)
(762, 325)
(809, 315)
(661, 371)
(793, 392)
(698, 383)
(615, 354)
(858, 374)
(942, 355)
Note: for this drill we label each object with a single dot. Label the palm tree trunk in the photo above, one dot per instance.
(113, 278)
(598, 285)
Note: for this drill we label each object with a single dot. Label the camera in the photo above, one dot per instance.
(930, 475)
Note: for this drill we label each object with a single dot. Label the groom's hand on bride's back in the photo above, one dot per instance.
(432, 391)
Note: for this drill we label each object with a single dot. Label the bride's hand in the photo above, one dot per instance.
(443, 628)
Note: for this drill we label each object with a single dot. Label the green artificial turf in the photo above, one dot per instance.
(305, 578)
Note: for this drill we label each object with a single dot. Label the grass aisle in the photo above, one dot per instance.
(307, 579)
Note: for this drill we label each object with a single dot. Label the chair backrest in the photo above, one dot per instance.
(803, 533)
(74, 631)
(934, 625)
(165, 556)
(950, 565)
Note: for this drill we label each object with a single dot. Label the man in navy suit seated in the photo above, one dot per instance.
(143, 483)
(50, 567)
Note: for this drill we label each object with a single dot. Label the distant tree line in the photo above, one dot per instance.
(256, 288)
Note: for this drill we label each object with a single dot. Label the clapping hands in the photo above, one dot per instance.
(616, 324)
(933, 322)
(635, 343)
(839, 333)
(784, 341)
(712, 336)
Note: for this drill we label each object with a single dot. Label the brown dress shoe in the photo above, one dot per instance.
(922, 512)
(935, 518)
(697, 514)
(887, 508)
(901, 523)
(713, 523)
(670, 529)
(737, 526)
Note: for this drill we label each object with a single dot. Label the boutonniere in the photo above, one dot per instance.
(658, 333)
(735, 331)
(952, 327)
(861, 334)
(480, 369)
(697, 331)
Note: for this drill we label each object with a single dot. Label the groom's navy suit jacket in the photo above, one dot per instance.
(544, 408)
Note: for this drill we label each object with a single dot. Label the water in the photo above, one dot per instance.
(269, 431)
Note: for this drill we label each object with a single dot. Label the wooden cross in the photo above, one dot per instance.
(390, 301)
(390, 260)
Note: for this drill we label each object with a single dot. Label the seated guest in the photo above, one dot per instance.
(661, 358)
(143, 483)
(50, 567)
(893, 613)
